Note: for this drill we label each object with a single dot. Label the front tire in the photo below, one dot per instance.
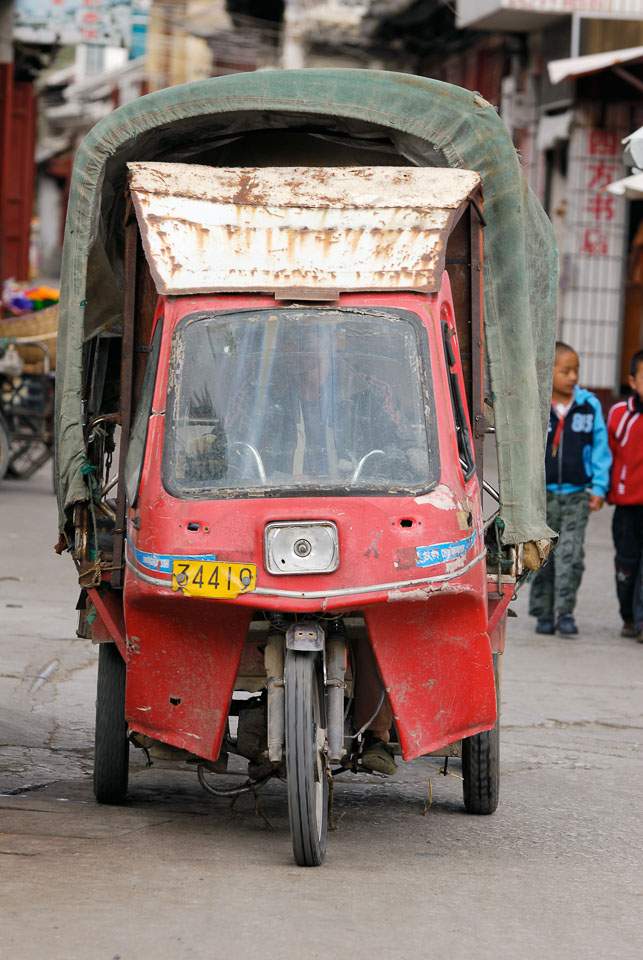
(305, 737)
(111, 746)
(481, 763)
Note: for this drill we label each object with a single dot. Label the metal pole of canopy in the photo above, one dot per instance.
(478, 422)
(127, 368)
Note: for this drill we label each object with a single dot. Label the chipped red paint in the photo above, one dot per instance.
(435, 661)
(185, 651)
(497, 625)
(109, 610)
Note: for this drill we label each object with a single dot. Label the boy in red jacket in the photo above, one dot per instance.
(625, 433)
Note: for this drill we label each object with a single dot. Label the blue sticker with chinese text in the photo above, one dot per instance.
(162, 562)
(444, 552)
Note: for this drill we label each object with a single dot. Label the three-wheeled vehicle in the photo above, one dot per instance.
(279, 311)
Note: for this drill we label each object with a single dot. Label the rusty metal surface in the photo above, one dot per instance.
(464, 266)
(208, 229)
(458, 267)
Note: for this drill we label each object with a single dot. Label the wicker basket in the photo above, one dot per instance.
(41, 326)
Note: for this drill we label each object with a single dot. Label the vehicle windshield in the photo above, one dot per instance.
(294, 400)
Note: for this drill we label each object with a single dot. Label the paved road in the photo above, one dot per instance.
(555, 873)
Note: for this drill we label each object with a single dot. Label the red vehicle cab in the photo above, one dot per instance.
(217, 476)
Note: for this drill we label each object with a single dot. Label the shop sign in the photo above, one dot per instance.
(104, 22)
(592, 267)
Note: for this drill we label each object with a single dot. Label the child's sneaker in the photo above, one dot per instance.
(566, 625)
(546, 625)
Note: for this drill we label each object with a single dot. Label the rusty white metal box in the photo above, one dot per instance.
(306, 232)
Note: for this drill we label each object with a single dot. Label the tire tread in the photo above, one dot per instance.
(308, 849)
(481, 763)
(111, 746)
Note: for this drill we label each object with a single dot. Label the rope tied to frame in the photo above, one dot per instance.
(95, 572)
(495, 552)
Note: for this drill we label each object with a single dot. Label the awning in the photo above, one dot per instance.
(630, 187)
(551, 129)
(49, 147)
(571, 67)
(633, 153)
(99, 85)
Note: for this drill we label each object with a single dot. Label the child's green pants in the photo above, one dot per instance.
(554, 587)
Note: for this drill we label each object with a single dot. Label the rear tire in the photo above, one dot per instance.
(305, 737)
(27, 457)
(481, 764)
(5, 449)
(111, 751)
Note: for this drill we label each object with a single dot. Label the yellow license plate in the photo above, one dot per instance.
(207, 578)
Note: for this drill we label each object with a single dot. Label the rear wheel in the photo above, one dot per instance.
(111, 753)
(27, 457)
(305, 739)
(481, 763)
(4, 449)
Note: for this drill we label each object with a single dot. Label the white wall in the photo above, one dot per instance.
(49, 200)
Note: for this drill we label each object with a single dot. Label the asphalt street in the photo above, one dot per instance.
(556, 872)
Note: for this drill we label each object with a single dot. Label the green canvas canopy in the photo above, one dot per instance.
(350, 117)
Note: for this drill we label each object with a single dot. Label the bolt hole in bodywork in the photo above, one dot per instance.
(406, 523)
(175, 701)
(193, 527)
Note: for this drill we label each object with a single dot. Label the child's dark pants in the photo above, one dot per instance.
(627, 531)
(554, 587)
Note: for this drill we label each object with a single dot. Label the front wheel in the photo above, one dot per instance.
(111, 746)
(481, 763)
(305, 739)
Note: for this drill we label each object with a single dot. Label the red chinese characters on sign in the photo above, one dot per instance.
(594, 243)
(600, 174)
(603, 143)
(90, 19)
(599, 207)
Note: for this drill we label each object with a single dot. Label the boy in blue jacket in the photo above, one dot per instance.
(577, 467)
